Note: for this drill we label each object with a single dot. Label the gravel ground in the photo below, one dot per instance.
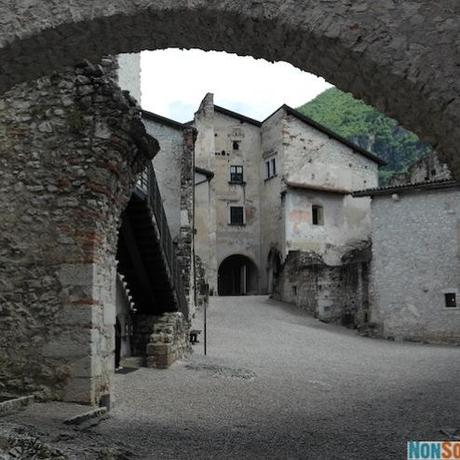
(279, 384)
(276, 384)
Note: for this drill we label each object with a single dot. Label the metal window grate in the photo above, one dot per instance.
(236, 174)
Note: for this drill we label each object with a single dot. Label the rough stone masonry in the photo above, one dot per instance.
(71, 145)
(400, 56)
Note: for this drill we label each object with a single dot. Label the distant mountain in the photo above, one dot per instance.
(368, 128)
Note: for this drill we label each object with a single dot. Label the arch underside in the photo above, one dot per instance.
(401, 57)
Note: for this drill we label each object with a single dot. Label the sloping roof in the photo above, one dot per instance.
(416, 187)
(328, 132)
(163, 120)
(289, 111)
(238, 116)
(316, 188)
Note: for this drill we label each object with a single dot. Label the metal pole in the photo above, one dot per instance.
(204, 327)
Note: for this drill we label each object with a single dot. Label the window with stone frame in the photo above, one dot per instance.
(236, 215)
(236, 174)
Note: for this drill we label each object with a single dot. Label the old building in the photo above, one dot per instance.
(281, 190)
(415, 270)
(272, 207)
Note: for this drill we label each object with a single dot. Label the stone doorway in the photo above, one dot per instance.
(237, 276)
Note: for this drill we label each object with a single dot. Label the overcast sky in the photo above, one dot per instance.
(175, 81)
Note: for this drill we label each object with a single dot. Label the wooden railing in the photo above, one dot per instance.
(148, 184)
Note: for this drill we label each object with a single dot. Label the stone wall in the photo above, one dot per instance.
(169, 341)
(415, 262)
(186, 241)
(400, 56)
(142, 330)
(71, 145)
(428, 168)
(330, 293)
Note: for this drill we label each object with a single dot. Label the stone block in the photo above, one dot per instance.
(76, 315)
(74, 343)
(80, 390)
(76, 274)
(154, 349)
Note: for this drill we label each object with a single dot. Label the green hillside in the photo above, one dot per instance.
(368, 128)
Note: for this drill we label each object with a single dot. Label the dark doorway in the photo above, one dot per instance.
(237, 276)
(273, 270)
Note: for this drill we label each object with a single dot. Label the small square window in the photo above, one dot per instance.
(236, 174)
(450, 299)
(317, 214)
(236, 145)
(236, 215)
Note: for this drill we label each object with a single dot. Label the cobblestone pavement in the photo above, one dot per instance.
(276, 384)
(279, 384)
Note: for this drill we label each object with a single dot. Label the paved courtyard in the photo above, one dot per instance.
(279, 384)
(276, 384)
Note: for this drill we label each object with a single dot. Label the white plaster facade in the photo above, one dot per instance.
(416, 241)
(167, 165)
(314, 168)
(309, 166)
(129, 74)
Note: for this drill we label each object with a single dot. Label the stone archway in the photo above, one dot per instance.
(237, 275)
(401, 57)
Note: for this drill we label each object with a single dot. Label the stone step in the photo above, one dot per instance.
(10, 404)
(90, 417)
(133, 362)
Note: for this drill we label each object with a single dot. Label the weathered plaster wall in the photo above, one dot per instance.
(70, 148)
(233, 239)
(167, 165)
(346, 221)
(415, 260)
(311, 157)
(202, 217)
(205, 210)
(272, 225)
(129, 74)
